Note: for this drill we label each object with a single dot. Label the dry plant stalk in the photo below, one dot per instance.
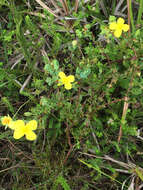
(63, 12)
(129, 20)
(65, 7)
(76, 5)
(45, 7)
(126, 105)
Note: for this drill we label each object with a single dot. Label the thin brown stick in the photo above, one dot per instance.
(65, 7)
(56, 6)
(76, 5)
(126, 105)
(45, 7)
(16, 166)
(108, 158)
(69, 142)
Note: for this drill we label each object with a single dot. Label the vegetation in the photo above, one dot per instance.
(71, 82)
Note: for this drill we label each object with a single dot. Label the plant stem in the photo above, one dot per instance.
(130, 14)
(140, 12)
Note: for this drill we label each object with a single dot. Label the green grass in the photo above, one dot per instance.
(88, 137)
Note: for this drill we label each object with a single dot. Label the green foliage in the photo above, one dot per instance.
(77, 128)
(52, 69)
(61, 180)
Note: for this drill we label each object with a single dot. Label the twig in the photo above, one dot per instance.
(76, 5)
(127, 166)
(27, 80)
(45, 7)
(122, 171)
(69, 142)
(140, 187)
(94, 137)
(106, 157)
(118, 6)
(25, 83)
(56, 6)
(17, 82)
(126, 105)
(65, 7)
(17, 62)
(132, 185)
(124, 8)
(123, 184)
(9, 168)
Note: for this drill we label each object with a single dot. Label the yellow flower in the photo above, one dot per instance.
(20, 129)
(6, 120)
(66, 80)
(118, 27)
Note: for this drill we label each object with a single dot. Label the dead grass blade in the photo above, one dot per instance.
(65, 7)
(76, 5)
(132, 185)
(46, 7)
(58, 9)
(126, 105)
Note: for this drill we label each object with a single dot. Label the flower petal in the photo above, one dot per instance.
(62, 75)
(32, 125)
(70, 78)
(112, 26)
(18, 134)
(12, 125)
(120, 21)
(16, 125)
(68, 86)
(117, 33)
(125, 27)
(6, 120)
(60, 82)
(31, 136)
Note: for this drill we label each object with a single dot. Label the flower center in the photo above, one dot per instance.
(25, 130)
(65, 80)
(119, 26)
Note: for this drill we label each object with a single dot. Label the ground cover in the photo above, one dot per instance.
(71, 105)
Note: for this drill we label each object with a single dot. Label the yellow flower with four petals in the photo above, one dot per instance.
(118, 27)
(66, 80)
(21, 129)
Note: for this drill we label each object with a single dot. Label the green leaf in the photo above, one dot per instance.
(62, 181)
(27, 114)
(1, 64)
(136, 91)
(49, 81)
(56, 64)
(124, 83)
(85, 73)
(49, 69)
(112, 18)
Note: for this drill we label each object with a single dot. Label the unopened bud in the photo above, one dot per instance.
(74, 43)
